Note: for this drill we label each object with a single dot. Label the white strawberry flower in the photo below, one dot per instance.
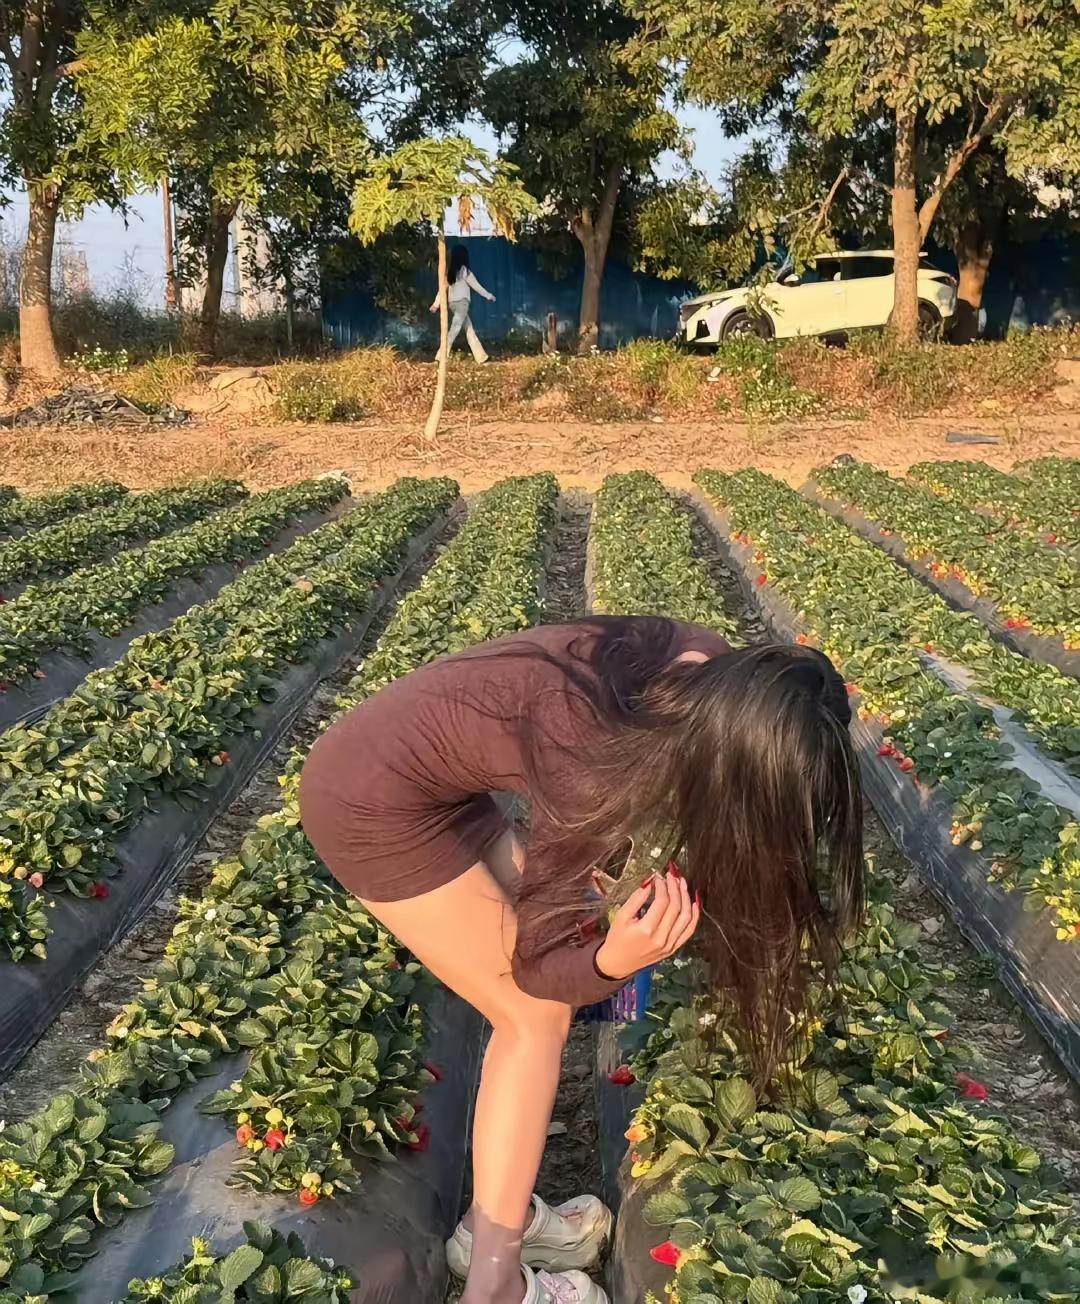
(857, 1294)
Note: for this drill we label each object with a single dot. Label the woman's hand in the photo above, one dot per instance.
(667, 925)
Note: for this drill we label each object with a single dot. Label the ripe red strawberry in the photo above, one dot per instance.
(274, 1139)
(308, 1196)
(907, 764)
(970, 1089)
(886, 750)
(435, 1071)
(37, 879)
(762, 580)
(98, 891)
(622, 1076)
(244, 1133)
(666, 1253)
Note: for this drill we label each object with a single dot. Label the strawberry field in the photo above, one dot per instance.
(276, 1103)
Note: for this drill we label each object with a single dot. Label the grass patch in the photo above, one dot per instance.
(158, 381)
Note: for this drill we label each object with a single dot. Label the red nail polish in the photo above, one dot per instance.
(697, 897)
(673, 870)
(648, 881)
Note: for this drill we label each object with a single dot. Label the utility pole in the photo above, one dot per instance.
(172, 289)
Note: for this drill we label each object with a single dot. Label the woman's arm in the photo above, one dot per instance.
(475, 284)
(566, 973)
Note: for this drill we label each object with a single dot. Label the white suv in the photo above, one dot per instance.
(834, 294)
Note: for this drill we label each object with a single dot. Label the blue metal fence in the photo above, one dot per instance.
(632, 305)
(1030, 283)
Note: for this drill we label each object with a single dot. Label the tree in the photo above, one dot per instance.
(1003, 71)
(41, 146)
(416, 185)
(249, 102)
(580, 123)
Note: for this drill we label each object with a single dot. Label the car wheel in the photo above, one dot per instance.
(741, 323)
(929, 321)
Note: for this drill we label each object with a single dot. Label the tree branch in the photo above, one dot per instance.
(998, 110)
(826, 205)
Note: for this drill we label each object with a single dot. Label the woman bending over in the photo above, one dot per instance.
(611, 728)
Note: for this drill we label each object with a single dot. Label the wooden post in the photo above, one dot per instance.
(551, 334)
(172, 289)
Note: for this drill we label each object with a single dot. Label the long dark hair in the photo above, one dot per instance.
(459, 258)
(746, 761)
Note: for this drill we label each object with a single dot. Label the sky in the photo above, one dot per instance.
(119, 251)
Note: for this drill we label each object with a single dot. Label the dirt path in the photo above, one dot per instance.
(477, 453)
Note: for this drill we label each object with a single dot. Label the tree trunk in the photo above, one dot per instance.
(904, 322)
(435, 415)
(589, 315)
(595, 237)
(217, 254)
(37, 344)
(974, 248)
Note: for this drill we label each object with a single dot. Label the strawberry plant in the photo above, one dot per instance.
(62, 547)
(156, 723)
(643, 559)
(876, 622)
(1039, 506)
(274, 942)
(269, 1268)
(63, 614)
(1035, 587)
(866, 1173)
(35, 510)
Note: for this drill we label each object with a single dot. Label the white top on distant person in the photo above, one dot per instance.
(461, 283)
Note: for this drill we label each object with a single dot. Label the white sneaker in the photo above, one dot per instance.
(573, 1235)
(561, 1288)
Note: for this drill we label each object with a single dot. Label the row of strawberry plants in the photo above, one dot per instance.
(1034, 586)
(872, 1171)
(907, 612)
(58, 549)
(276, 958)
(643, 558)
(32, 511)
(860, 1174)
(1034, 506)
(872, 621)
(106, 598)
(1056, 472)
(156, 723)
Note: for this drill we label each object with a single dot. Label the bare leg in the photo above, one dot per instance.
(464, 933)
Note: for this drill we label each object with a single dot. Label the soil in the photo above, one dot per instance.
(53, 1064)
(478, 453)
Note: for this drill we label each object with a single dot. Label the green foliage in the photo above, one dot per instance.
(664, 372)
(272, 921)
(643, 556)
(312, 393)
(268, 1268)
(876, 621)
(417, 183)
(60, 548)
(1036, 506)
(158, 380)
(765, 388)
(64, 614)
(1034, 586)
(35, 510)
(159, 721)
(861, 1177)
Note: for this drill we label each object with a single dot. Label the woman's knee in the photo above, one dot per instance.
(533, 1020)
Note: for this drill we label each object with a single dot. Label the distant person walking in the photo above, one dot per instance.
(461, 284)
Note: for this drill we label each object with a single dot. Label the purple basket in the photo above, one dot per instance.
(628, 1005)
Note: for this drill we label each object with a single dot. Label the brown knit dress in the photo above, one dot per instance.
(396, 795)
